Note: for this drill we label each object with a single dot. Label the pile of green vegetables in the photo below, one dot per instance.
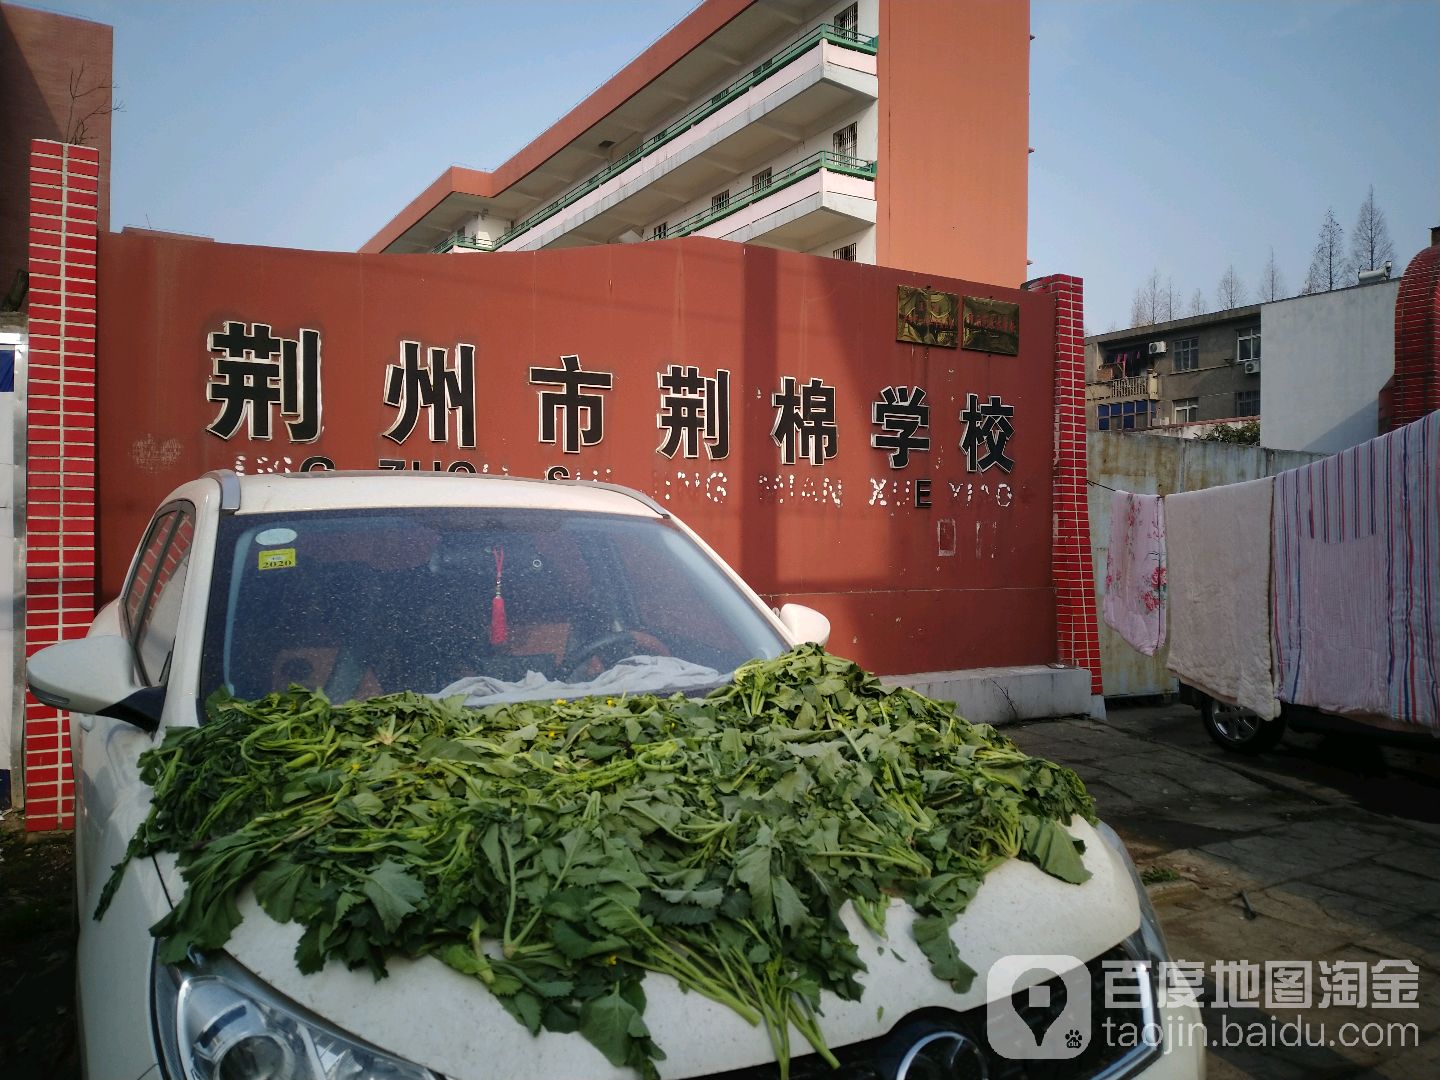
(559, 851)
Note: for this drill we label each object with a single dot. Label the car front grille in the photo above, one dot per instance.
(1101, 1058)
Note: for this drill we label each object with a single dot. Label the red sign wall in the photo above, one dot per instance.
(759, 395)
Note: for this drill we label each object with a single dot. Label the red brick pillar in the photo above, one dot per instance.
(1076, 629)
(1417, 338)
(60, 457)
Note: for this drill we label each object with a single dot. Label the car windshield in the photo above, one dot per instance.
(489, 604)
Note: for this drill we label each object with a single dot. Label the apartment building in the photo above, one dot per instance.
(1177, 377)
(889, 131)
(1323, 361)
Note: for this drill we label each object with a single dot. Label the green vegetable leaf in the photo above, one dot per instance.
(393, 892)
(932, 934)
(612, 1025)
(1050, 847)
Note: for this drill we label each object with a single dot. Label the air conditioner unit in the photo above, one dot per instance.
(1157, 348)
(1252, 367)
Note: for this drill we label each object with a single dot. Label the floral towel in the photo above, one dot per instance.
(1135, 570)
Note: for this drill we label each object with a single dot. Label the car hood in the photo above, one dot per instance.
(431, 1014)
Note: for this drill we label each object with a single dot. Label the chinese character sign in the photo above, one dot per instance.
(987, 430)
(805, 421)
(437, 388)
(581, 415)
(254, 372)
(256, 375)
(900, 415)
(694, 409)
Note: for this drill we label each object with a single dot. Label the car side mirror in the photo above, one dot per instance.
(95, 675)
(805, 624)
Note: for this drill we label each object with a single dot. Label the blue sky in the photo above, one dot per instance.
(1169, 136)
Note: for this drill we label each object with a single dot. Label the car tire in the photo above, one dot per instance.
(1238, 729)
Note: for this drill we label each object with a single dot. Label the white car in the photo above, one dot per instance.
(364, 584)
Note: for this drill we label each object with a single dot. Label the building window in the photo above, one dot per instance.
(760, 180)
(847, 20)
(1187, 354)
(1123, 416)
(1247, 345)
(660, 231)
(720, 201)
(846, 253)
(1187, 410)
(1247, 402)
(845, 141)
(1134, 360)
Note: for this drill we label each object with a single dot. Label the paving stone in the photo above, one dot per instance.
(1417, 939)
(1424, 861)
(1307, 903)
(1329, 878)
(1408, 1063)
(1222, 932)
(1381, 883)
(1275, 857)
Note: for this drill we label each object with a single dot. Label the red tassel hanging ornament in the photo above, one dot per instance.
(498, 629)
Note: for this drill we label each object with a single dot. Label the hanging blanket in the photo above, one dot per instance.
(1135, 570)
(1357, 579)
(1218, 543)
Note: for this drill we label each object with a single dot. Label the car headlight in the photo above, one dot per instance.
(1149, 936)
(1146, 946)
(216, 1021)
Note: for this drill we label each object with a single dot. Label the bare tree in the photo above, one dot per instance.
(1230, 293)
(87, 104)
(1146, 307)
(1272, 283)
(1370, 246)
(1327, 264)
(1167, 306)
(1197, 303)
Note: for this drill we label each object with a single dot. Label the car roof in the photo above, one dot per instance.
(339, 490)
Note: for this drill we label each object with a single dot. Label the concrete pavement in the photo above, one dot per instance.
(1335, 846)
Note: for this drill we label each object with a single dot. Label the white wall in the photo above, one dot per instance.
(1324, 359)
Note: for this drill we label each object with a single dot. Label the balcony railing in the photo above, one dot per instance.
(835, 35)
(825, 159)
(1146, 385)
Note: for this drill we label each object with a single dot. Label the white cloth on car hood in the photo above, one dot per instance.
(634, 675)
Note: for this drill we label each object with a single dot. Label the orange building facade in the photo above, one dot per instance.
(885, 131)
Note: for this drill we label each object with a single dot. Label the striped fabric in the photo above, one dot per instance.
(1356, 579)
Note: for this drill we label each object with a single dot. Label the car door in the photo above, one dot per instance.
(113, 954)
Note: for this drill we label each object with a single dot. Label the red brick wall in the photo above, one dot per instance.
(1076, 628)
(1417, 340)
(60, 463)
(39, 53)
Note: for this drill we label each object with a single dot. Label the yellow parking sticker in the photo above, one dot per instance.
(277, 559)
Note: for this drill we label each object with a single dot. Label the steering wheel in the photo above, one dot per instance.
(609, 649)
